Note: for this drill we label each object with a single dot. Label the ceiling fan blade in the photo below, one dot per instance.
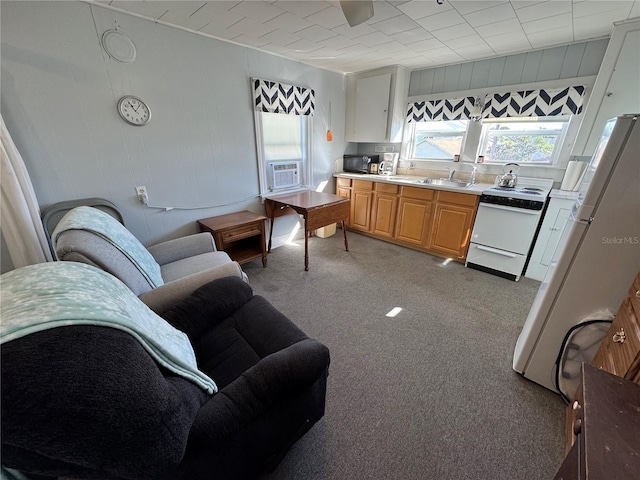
(357, 11)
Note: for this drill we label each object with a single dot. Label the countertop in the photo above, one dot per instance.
(410, 180)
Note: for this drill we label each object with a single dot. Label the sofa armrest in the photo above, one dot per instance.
(164, 297)
(183, 247)
(278, 376)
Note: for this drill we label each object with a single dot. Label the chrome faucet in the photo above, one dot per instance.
(451, 173)
(472, 178)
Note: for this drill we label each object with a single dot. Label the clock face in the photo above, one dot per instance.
(134, 111)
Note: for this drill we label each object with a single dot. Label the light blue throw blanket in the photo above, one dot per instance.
(58, 294)
(105, 226)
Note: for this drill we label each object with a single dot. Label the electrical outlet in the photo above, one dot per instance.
(142, 194)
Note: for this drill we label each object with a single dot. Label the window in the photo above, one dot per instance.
(522, 140)
(283, 152)
(438, 140)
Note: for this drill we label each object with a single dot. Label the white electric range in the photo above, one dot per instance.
(506, 225)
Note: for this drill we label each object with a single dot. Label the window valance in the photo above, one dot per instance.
(525, 103)
(534, 103)
(444, 109)
(276, 97)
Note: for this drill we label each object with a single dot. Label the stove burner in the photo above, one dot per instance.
(532, 189)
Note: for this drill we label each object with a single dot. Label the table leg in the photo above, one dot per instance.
(273, 216)
(306, 247)
(344, 231)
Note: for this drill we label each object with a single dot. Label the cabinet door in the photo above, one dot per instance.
(555, 232)
(385, 209)
(372, 108)
(360, 218)
(413, 221)
(451, 229)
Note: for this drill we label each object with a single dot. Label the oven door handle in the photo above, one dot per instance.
(495, 250)
(509, 209)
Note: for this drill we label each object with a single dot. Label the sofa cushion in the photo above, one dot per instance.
(231, 329)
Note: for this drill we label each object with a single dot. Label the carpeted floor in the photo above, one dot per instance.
(428, 394)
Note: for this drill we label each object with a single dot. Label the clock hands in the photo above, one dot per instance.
(134, 108)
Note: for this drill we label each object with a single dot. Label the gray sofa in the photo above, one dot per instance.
(184, 264)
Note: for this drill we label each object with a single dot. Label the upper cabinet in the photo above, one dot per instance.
(615, 91)
(376, 105)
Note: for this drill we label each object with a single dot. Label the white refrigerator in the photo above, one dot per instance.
(597, 257)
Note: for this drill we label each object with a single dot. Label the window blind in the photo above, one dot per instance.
(534, 103)
(444, 109)
(276, 97)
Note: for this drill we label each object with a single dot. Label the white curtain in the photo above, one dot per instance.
(20, 215)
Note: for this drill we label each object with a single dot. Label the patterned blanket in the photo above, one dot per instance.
(58, 294)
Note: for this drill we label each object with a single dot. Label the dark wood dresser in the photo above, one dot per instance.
(606, 424)
(603, 423)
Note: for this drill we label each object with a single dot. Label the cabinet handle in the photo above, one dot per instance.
(637, 293)
(619, 337)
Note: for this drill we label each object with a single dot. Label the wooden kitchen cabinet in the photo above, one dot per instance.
(361, 200)
(432, 221)
(453, 218)
(385, 209)
(414, 216)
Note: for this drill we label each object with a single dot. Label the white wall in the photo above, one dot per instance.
(59, 91)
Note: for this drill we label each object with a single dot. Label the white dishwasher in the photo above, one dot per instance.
(505, 227)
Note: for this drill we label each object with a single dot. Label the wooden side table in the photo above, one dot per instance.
(241, 235)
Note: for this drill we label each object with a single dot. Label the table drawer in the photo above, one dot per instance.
(241, 232)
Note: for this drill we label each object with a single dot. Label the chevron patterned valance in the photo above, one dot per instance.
(445, 109)
(276, 97)
(534, 103)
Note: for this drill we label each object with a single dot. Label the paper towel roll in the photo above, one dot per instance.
(572, 175)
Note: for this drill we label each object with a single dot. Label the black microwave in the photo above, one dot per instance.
(360, 163)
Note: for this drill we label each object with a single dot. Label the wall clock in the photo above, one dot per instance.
(134, 111)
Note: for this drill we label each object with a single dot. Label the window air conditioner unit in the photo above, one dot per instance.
(283, 175)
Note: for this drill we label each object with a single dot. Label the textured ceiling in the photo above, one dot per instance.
(414, 34)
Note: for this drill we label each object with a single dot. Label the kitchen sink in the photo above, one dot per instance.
(445, 182)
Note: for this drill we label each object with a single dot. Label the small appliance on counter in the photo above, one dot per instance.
(360, 163)
(388, 164)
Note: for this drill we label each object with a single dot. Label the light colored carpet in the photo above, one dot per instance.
(429, 394)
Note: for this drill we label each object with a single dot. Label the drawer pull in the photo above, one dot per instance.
(577, 427)
(619, 337)
(637, 293)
